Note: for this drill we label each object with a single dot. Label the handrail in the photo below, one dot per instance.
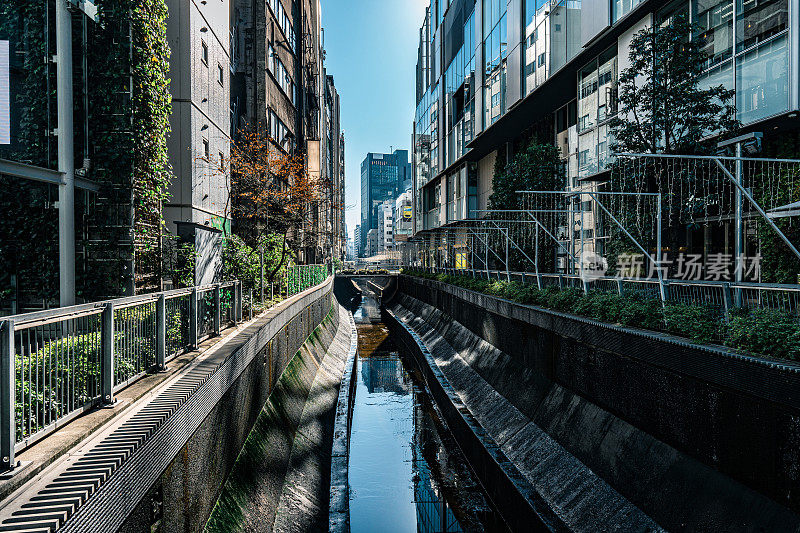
(57, 363)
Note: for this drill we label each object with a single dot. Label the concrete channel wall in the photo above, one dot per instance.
(186, 491)
(595, 427)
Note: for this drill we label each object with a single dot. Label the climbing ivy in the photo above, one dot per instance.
(152, 105)
(130, 125)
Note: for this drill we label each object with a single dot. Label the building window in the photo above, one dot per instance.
(204, 52)
(220, 74)
(206, 148)
(620, 8)
(271, 58)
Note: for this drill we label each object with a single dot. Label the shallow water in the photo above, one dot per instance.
(406, 471)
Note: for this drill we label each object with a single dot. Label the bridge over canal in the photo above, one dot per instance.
(384, 402)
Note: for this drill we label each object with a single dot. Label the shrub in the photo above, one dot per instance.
(765, 331)
(699, 323)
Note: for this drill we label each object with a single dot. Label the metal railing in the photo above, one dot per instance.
(291, 281)
(720, 295)
(58, 363)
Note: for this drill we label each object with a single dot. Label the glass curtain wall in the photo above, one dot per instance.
(597, 82)
(552, 38)
(495, 45)
(27, 26)
(746, 42)
(29, 263)
(459, 81)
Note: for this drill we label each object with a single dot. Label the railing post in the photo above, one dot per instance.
(727, 297)
(250, 293)
(161, 333)
(217, 310)
(560, 281)
(193, 333)
(7, 389)
(539, 281)
(620, 288)
(238, 302)
(107, 361)
(663, 290)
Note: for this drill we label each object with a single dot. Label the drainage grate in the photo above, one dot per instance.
(75, 482)
(56, 495)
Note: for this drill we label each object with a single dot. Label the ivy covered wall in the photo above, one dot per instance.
(122, 105)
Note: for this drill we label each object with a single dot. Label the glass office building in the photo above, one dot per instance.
(383, 177)
(50, 173)
(550, 69)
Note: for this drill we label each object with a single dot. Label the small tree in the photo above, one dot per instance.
(661, 105)
(537, 167)
(272, 198)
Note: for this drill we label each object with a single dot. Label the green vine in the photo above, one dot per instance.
(152, 105)
(130, 125)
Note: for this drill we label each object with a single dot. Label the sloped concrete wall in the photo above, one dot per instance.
(281, 478)
(697, 438)
(186, 492)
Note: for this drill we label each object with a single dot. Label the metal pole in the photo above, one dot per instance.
(486, 256)
(161, 333)
(66, 156)
(580, 257)
(238, 301)
(261, 270)
(508, 272)
(739, 233)
(661, 284)
(107, 361)
(193, 333)
(217, 310)
(7, 392)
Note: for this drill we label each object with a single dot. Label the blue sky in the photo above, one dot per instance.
(372, 54)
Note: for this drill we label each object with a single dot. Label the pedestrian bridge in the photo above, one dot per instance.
(519, 418)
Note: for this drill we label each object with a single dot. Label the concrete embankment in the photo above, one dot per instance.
(589, 427)
(221, 413)
(281, 478)
(339, 511)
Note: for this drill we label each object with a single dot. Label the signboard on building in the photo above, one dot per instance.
(5, 95)
(461, 261)
(408, 213)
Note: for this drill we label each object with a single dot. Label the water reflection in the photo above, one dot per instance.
(406, 472)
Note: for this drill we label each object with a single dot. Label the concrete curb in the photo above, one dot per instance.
(515, 498)
(339, 510)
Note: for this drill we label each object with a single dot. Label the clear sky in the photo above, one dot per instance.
(372, 54)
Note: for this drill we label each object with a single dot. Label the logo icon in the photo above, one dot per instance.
(593, 266)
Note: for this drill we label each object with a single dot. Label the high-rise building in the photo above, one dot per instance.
(358, 247)
(383, 177)
(280, 83)
(491, 73)
(386, 226)
(402, 219)
(198, 210)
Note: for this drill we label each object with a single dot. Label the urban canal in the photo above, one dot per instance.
(406, 471)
